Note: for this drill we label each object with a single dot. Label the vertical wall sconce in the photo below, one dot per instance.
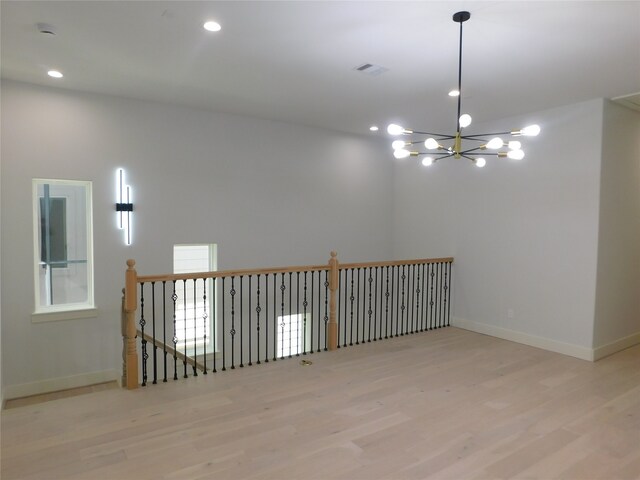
(124, 205)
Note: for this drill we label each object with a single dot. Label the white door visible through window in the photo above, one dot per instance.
(194, 318)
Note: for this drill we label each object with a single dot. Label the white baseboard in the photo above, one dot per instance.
(616, 346)
(61, 383)
(577, 351)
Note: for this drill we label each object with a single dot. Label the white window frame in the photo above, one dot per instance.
(62, 311)
(211, 316)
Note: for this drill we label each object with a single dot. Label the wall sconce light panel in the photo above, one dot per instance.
(124, 205)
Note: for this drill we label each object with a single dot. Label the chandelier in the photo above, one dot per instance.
(476, 145)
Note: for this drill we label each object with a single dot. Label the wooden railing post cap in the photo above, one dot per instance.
(334, 254)
(131, 263)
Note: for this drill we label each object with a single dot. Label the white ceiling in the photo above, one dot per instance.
(295, 61)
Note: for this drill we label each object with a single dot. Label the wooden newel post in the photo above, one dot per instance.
(332, 341)
(130, 305)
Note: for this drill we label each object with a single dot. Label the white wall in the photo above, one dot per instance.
(523, 234)
(617, 307)
(267, 193)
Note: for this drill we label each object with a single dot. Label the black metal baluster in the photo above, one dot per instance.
(376, 316)
(250, 331)
(358, 298)
(164, 328)
(351, 299)
(305, 304)
(266, 318)
(431, 275)
(439, 304)
(393, 299)
(423, 309)
(214, 323)
(224, 333)
(439, 294)
(386, 306)
(369, 311)
(174, 297)
(153, 326)
(339, 308)
(143, 322)
(290, 293)
(416, 284)
(326, 309)
(346, 291)
(403, 308)
(311, 313)
(184, 316)
(275, 320)
(195, 327)
(282, 324)
(445, 287)
(297, 314)
(241, 325)
(450, 266)
(232, 332)
(258, 318)
(205, 323)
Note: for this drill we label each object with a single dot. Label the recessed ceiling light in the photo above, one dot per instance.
(54, 74)
(454, 93)
(373, 128)
(212, 26)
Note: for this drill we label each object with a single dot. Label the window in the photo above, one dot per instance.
(63, 249)
(193, 312)
(292, 338)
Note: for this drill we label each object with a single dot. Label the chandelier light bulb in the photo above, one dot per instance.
(427, 161)
(465, 120)
(515, 154)
(530, 131)
(431, 143)
(401, 153)
(495, 143)
(394, 129)
(480, 162)
(454, 93)
(515, 145)
(398, 144)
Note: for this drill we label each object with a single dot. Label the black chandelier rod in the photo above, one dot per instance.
(459, 77)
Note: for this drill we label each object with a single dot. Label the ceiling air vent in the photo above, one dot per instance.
(371, 69)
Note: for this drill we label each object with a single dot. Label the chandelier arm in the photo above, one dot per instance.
(472, 151)
(443, 135)
(465, 137)
(484, 154)
(471, 137)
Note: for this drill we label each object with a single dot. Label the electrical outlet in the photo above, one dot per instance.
(511, 313)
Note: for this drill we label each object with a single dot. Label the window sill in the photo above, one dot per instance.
(56, 316)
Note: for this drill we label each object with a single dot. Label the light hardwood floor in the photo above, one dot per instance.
(447, 404)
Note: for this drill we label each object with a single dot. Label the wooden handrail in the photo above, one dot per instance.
(268, 271)
(345, 266)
